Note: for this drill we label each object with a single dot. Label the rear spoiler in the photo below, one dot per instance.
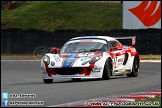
(127, 37)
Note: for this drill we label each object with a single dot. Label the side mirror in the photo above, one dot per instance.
(55, 50)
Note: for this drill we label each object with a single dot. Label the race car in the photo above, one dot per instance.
(91, 57)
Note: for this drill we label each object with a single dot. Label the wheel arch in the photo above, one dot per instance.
(110, 60)
(138, 58)
(137, 55)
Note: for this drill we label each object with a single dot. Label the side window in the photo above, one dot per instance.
(119, 44)
(113, 43)
(110, 44)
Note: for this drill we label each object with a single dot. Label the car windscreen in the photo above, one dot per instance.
(84, 45)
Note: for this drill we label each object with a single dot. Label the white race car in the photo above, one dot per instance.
(90, 57)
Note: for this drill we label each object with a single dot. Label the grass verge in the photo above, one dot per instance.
(51, 15)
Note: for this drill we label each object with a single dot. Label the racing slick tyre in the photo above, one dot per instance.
(48, 80)
(135, 68)
(76, 79)
(107, 70)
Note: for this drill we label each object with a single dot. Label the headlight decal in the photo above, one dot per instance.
(84, 63)
(92, 60)
(95, 58)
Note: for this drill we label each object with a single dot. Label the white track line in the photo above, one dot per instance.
(150, 60)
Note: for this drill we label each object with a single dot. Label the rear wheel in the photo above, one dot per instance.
(76, 79)
(107, 70)
(135, 68)
(48, 80)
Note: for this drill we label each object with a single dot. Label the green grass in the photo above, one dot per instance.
(51, 15)
(150, 102)
(150, 58)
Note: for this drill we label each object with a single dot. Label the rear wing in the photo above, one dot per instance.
(130, 38)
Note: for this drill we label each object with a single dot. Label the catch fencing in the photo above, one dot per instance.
(18, 41)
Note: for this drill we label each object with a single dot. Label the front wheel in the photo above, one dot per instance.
(107, 70)
(48, 80)
(135, 68)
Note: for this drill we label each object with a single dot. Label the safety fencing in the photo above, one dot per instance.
(18, 41)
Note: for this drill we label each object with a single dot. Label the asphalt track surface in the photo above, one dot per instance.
(25, 77)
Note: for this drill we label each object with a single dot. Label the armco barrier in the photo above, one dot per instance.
(18, 41)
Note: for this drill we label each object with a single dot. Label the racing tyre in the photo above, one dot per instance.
(48, 80)
(76, 79)
(135, 68)
(107, 70)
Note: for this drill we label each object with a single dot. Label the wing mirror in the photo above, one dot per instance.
(55, 50)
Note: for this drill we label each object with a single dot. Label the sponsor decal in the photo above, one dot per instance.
(121, 60)
(120, 63)
(148, 13)
(83, 59)
(68, 62)
(56, 58)
(96, 69)
(125, 47)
